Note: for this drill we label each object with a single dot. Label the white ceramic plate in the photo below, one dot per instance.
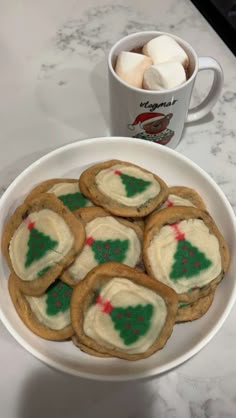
(186, 339)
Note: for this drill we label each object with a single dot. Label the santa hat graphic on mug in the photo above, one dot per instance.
(145, 118)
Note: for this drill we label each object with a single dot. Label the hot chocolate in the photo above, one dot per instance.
(160, 64)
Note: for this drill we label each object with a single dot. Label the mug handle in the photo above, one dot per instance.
(201, 110)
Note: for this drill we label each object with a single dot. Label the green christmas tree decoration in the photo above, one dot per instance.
(189, 261)
(38, 245)
(110, 250)
(74, 200)
(134, 185)
(58, 298)
(132, 322)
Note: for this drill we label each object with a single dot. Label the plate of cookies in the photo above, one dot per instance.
(116, 259)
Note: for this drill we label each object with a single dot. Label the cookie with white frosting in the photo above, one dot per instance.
(192, 311)
(108, 238)
(67, 190)
(41, 238)
(122, 188)
(48, 315)
(119, 311)
(183, 196)
(184, 249)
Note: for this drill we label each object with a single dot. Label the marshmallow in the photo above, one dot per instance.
(164, 76)
(164, 49)
(131, 66)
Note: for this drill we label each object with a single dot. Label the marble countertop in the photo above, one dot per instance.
(54, 91)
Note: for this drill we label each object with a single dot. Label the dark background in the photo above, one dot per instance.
(221, 14)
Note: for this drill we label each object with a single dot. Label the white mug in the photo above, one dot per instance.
(158, 116)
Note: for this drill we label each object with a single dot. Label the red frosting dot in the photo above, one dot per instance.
(98, 299)
(196, 263)
(127, 325)
(107, 307)
(107, 245)
(184, 260)
(30, 225)
(58, 304)
(117, 250)
(105, 255)
(184, 270)
(67, 293)
(54, 294)
(184, 247)
(191, 252)
(135, 331)
(169, 203)
(179, 236)
(140, 318)
(89, 241)
(119, 315)
(128, 314)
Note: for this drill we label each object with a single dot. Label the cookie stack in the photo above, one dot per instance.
(112, 260)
